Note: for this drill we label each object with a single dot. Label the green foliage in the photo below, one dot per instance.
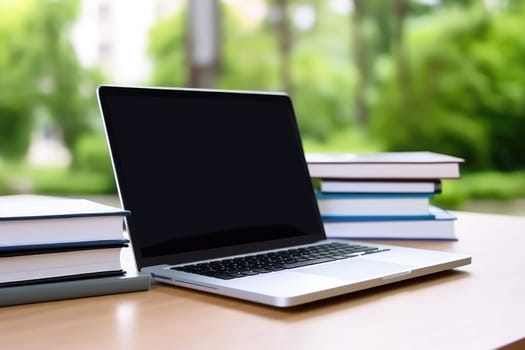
(15, 91)
(501, 186)
(320, 69)
(66, 181)
(91, 154)
(453, 196)
(495, 185)
(324, 79)
(16, 177)
(40, 72)
(249, 57)
(15, 130)
(167, 49)
(356, 140)
(92, 168)
(4, 186)
(466, 94)
(322, 92)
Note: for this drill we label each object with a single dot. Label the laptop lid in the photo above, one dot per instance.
(208, 173)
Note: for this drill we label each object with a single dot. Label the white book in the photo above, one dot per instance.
(35, 219)
(356, 186)
(37, 265)
(386, 165)
(344, 204)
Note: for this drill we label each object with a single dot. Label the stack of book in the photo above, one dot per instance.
(384, 195)
(55, 248)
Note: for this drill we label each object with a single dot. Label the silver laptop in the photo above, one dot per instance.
(221, 199)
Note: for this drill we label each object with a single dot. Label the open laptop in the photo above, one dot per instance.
(221, 199)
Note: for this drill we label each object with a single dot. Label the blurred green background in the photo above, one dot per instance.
(365, 76)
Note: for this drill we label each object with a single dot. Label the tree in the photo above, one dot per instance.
(258, 56)
(466, 95)
(361, 63)
(284, 35)
(64, 87)
(16, 93)
(167, 49)
(247, 57)
(40, 73)
(400, 11)
(377, 30)
(203, 36)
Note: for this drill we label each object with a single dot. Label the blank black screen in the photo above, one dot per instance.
(208, 171)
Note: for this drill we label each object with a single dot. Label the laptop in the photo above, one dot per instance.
(221, 199)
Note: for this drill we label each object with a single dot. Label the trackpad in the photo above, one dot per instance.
(357, 269)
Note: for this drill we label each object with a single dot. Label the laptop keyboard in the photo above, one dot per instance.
(279, 260)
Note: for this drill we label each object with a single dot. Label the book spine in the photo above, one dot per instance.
(46, 248)
(346, 218)
(123, 213)
(348, 195)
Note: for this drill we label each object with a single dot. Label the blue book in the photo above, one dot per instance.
(338, 218)
(441, 227)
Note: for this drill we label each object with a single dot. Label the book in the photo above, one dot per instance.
(29, 264)
(442, 227)
(387, 165)
(377, 186)
(32, 219)
(380, 204)
(74, 288)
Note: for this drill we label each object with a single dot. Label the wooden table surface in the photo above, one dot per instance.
(480, 306)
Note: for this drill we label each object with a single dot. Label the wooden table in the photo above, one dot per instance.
(480, 306)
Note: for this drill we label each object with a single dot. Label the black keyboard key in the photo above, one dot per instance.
(308, 262)
(224, 276)
(276, 261)
(262, 270)
(375, 251)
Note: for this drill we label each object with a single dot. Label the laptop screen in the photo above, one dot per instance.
(208, 173)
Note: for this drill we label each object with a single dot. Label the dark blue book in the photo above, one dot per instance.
(46, 248)
(338, 218)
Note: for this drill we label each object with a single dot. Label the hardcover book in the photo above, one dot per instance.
(387, 165)
(35, 219)
(350, 204)
(29, 264)
(378, 186)
(442, 227)
(73, 288)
